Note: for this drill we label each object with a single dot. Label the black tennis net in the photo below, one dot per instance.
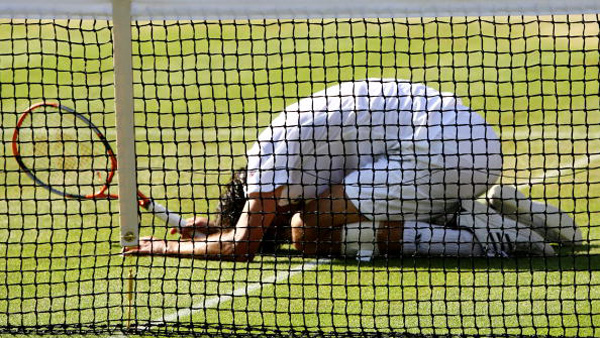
(414, 119)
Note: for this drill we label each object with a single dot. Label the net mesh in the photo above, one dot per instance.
(205, 90)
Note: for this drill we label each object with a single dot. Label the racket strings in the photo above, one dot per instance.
(64, 152)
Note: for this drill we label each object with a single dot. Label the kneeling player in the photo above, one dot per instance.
(365, 168)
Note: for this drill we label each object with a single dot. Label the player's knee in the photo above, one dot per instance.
(297, 224)
(302, 237)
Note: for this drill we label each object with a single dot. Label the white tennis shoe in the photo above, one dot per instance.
(501, 236)
(552, 223)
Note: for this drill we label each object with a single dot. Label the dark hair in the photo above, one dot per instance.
(231, 204)
(232, 201)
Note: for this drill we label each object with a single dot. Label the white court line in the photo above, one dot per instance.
(579, 164)
(215, 301)
(526, 134)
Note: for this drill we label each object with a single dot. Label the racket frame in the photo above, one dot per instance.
(101, 193)
(171, 218)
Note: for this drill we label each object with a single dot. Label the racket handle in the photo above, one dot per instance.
(173, 219)
(163, 213)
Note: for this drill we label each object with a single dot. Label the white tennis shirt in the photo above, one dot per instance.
(317, 141)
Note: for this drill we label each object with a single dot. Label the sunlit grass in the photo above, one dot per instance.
(204, 90)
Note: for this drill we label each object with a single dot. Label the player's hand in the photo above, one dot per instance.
(151, 246)
(196, 228)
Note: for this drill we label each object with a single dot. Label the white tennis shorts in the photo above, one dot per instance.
(427, 186)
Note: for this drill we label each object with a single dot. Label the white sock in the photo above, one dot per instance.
(424, 239)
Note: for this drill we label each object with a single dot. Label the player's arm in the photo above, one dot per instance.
(240, 243)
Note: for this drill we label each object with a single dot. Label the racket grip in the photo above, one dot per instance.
(173, 219)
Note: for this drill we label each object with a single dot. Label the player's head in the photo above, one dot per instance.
(231, 205)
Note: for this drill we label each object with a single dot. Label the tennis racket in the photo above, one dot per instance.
(64, 152)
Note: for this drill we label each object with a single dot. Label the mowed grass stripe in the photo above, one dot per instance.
(245, 290)
(190, 94)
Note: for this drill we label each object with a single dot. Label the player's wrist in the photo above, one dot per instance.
(171, 248)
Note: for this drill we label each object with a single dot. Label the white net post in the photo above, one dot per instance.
(128, 215)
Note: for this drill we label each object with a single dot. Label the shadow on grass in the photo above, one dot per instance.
(567, 259)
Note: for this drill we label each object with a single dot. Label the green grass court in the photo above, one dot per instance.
(204, 91)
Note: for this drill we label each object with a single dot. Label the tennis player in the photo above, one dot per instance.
(365, 168)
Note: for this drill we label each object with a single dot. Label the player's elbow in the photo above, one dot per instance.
(244, 258)
(240, 252)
